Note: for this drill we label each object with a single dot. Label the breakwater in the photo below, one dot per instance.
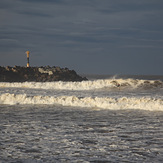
(38, 74)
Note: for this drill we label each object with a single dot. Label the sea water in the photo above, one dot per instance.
(101, 120)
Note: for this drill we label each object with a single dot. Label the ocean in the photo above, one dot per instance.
(104, 119)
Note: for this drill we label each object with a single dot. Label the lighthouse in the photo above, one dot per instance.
(27, 52)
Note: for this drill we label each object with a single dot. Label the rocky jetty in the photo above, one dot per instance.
(38, 74)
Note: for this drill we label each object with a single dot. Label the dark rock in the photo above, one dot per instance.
(38, 74)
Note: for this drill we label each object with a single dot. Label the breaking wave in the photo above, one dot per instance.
(88, 85)
(144, 103)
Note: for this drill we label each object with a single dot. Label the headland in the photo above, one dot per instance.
(38, 74)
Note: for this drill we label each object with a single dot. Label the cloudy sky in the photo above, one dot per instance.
(89, 36)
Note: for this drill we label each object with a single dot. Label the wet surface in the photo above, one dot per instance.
(68, 134)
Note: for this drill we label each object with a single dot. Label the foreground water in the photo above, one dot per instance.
(107, 120)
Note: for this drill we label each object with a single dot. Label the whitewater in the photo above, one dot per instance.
(99, 120)
(104, 94)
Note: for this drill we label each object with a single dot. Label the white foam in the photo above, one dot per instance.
(84, 85)
(98, 103)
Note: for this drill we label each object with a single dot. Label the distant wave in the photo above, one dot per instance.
(143, 103)
(88, 85)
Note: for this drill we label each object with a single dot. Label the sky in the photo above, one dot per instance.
(114, 37)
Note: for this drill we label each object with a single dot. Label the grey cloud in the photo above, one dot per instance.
(68, 28)
(43, 1)
(34, 13)
(6, 4)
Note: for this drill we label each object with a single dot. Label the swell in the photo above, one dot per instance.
(88, 85)
(143, 103)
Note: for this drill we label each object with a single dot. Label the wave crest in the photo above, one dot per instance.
(143, 103)
(89, 85)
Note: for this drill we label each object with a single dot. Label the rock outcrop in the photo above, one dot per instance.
(38, 74)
